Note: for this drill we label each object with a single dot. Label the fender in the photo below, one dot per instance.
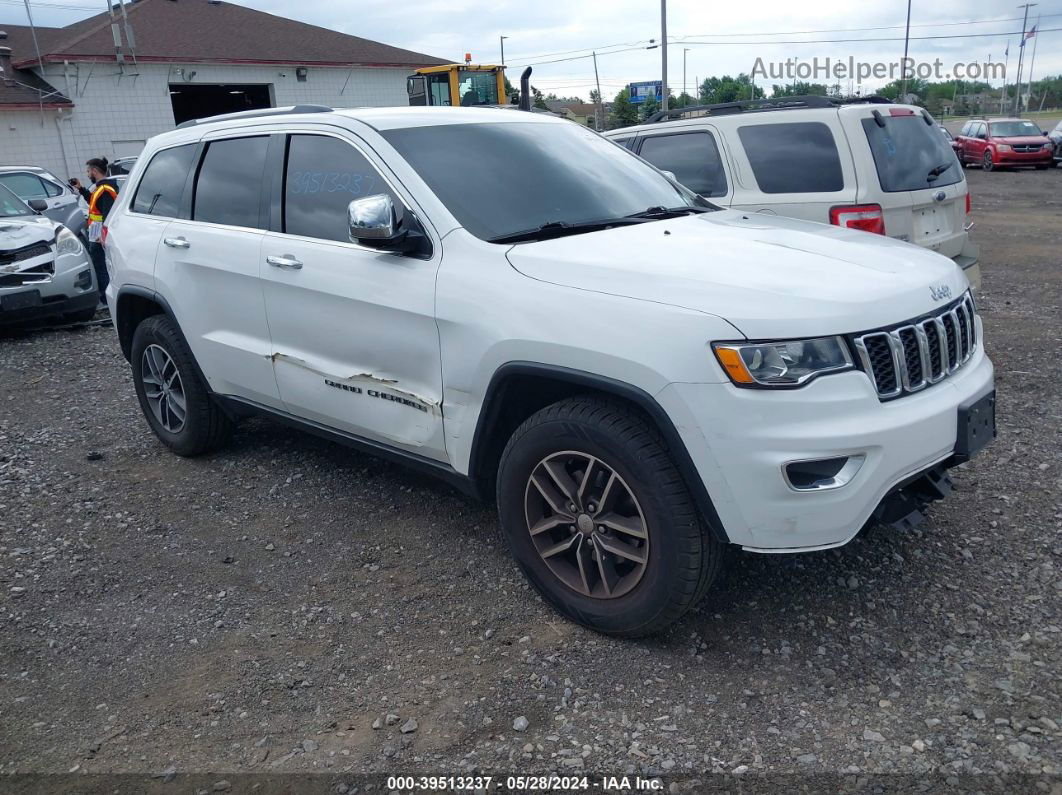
(493, 405)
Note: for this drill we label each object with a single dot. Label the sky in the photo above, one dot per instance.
(554, 36)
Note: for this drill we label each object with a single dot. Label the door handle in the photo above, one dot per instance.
(286, 261)
(176, 242)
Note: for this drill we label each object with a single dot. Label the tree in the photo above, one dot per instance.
(624, 113)
(681, 101)
(649, 107)
(539, 101)
(595, 96)
(728, 89)
(554, 98)
(799, 89)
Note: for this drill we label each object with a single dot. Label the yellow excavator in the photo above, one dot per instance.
(460, 85)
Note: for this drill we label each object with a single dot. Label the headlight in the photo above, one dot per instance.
(1003, 147)
(782, 364)
(66, 242)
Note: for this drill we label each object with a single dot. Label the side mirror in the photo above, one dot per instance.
(38, 205)
(374, 221)
(1044, 132)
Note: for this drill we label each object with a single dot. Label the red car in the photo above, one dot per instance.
(995, 143)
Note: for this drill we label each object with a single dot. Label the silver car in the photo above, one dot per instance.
(44, 268)
(63, 203)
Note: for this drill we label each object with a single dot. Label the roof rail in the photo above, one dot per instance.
(251, 114)
(756, 105)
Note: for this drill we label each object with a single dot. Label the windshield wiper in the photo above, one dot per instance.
(656, 213)
(936, 172)
(562, 228)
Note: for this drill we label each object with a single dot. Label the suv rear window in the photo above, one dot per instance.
(229, 188)
(162, 185)
(799, 157)
(910, 155)
(692, 157)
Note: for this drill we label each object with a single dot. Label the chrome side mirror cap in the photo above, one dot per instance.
(372, 218)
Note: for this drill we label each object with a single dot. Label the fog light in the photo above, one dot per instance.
(84, 280)
(820, 474)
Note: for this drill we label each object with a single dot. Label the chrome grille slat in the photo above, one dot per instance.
(901, 360)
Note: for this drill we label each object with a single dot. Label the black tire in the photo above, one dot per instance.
(986, 162)
(205, 426)
(683, 558)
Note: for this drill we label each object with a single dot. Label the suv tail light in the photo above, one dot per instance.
(103, 235)
(967, 202)
(867, 217)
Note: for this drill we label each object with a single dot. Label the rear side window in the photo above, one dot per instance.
(910, 155)
(229, 187)
(692, 157)
(799, 157)
(322, 177)
(162, 185)
(626, 143)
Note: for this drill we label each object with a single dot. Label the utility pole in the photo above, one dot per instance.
(1032, 60)
(663, 54)
(1006, 68)
(1021, 57)
(501, 42)
(599, 111)
(684, 51)
(906, 40)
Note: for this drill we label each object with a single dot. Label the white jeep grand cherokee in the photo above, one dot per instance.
(528, 310)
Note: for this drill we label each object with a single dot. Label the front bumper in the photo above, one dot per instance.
(1043, 157)
(68, 291)
(739, 440)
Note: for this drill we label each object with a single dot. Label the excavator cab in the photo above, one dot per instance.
(458, 85)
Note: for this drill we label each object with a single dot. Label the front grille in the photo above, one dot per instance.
(1028, 147)
(22, 254)
(37, 273)
(914, 355)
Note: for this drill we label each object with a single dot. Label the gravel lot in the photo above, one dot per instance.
(288, 606)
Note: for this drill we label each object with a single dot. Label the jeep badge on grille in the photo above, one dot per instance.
(940, 292)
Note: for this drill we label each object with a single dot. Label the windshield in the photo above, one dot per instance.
(11, 205)
(1008, 129)
(505, 177)
(909, 155)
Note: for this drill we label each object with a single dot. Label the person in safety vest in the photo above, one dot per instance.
(100, 200)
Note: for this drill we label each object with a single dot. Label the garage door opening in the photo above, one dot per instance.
(197, 101)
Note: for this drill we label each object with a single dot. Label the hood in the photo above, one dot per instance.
(16, 233)
(770, 277)
(1021, 140)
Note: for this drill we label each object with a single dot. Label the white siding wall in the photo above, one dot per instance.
(113, 112)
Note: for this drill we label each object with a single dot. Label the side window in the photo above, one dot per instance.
(51, 188)
(323, 175)
(25, 186)
(626, 143)
(229, 187)
(799, 157)
(982, 129)
(692, 157)
(965, 129)
(161, 187)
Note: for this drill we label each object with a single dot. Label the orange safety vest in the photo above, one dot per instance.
(95, 217)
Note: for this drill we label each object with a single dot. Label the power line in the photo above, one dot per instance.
(873, 39)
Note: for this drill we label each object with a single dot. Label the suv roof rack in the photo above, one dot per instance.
(755, 105)
(250, 114)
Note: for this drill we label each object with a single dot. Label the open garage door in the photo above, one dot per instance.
(199, 100)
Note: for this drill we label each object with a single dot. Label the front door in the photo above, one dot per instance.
(355, 346)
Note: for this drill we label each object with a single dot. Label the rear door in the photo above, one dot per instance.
(794, 163)
(355, 344)
(209, 267)
(912, 172)
(694, 158)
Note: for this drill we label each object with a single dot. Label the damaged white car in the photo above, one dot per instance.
(45, 271)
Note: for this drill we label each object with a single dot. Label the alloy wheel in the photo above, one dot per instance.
(586, 524)
(987, 161)
(163, 388)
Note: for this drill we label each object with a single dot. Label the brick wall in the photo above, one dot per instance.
(114, 113)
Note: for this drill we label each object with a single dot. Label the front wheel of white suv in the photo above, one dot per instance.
(600, 520)
(174, 400)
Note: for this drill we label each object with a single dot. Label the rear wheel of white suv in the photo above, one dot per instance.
(174, 400)
(600, 520)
